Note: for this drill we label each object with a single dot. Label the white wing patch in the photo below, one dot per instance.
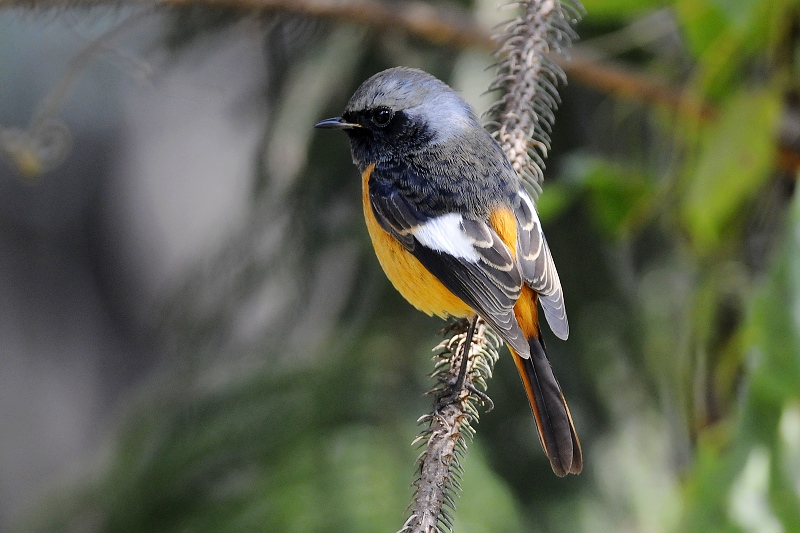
(445, 234)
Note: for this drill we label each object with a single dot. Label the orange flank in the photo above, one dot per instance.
(503, 221)
(411, 279)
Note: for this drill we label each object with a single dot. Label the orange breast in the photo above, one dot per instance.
(409, 277)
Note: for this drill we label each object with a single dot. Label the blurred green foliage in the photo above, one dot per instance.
(735, 156)
(677, 236)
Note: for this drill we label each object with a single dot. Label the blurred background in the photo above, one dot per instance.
(195, 334)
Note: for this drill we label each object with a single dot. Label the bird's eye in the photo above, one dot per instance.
(382, 116)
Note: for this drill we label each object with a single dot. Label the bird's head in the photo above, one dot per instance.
(401, 111)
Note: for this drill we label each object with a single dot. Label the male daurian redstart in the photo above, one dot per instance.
(456, 232)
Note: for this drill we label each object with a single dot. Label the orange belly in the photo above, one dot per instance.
(409, 277)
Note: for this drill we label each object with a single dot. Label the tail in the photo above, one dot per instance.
(556, 430)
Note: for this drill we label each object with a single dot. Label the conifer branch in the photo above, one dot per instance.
(528, 76)
(449, 427)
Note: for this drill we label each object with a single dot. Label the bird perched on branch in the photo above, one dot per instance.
(456, 232)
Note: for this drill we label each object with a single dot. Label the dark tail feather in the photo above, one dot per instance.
(556, 430)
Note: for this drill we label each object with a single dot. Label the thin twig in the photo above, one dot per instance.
(47, 140)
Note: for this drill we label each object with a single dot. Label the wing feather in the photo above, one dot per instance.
(466, 255)
(538, 269)
(396, 216)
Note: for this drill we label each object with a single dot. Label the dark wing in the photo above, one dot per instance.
(467, 256)
(395, 214)
(538, 268)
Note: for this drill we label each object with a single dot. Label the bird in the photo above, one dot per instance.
(456, 232)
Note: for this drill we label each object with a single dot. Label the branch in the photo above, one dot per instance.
(527, 77)
(448, 27)
(46, 141)
(450, 426)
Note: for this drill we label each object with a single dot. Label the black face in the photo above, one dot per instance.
(384, 135)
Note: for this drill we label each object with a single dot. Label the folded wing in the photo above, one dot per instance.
(466, 255)
(538, 268)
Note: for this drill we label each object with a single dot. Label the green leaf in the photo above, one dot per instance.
(736, 157)
(775, 330)
(776, 321)
(723, 36)
(619, 197)
(611, 9)
(555, 198)
(702, 22)
(705, 22)
(722, 472)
